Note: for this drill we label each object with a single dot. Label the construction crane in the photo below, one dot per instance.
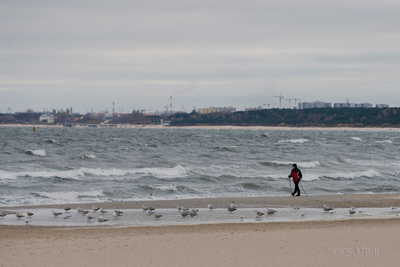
(289, 99)
(280, 100)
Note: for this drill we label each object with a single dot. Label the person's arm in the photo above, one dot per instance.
(300, 175)
(290, 175)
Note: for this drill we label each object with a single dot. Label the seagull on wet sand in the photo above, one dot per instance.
(67, 209)
(326, 208)
(19, 215)
(90, 217)
(94, 208)
(352, 211)
(184, 213)
(150, 212)
(55, 213)
(211, 207)
(303, 214)
(101, 219)
(231, 209)
(30, 214)
(66, 216)
(259, 213)
(144, 207)
(79, 210)
(157, 215)
(2, 214)
(84, 212)
(103, 211)
(271, 211)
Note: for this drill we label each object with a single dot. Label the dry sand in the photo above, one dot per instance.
(361, 242)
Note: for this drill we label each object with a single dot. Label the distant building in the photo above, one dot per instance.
(46, 117)
(382, 106)
(250, 109)
(352, 105)
(315, 104)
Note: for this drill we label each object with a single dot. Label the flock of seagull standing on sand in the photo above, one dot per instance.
(191, 212)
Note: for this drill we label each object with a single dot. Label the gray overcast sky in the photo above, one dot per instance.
(88, 54)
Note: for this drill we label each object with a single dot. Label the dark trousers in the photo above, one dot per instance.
(296, 188)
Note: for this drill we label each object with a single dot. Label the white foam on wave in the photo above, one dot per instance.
(72, 196)
(351, 175)
(306, 164)
(301, 140)
(177, 171)
(38, 152)
(384, 141)
(7, 175)
(356, 138)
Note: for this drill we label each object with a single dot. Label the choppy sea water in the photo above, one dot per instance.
(80, 165)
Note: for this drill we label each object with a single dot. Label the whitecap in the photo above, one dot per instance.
(356, 138)
(306, 164)
(351, 175)
(38, 152)
(301, 140)
(384, 141)
(7, 175)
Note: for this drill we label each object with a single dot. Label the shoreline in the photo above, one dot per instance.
(311, 201)
(215, 127)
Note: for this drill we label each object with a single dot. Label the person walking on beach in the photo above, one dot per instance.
(296, 176)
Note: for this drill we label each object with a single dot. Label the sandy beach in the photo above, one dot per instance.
(352, 242)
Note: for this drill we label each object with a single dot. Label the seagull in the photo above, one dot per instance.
(79, 210)
(144, 207)
(326, 208)
(231, 209)
(30, 214)
(211, 207)
(90, 217)
(152, 193)
(102, 211)
(150, 212)
(19, 215)
(360, 211)
(2, 214)
(84, 212)
(331, 212)
(101, 219)
(118, 212)
(94, 208)
(233, 206)
(157, 215)
(151, 208)
(67, 209)
(351, 211)
(271, 211)
(393, 208)
(184, 213)
(303, 214)
(194, 210)
(241, 217)
(27, 221)
(66, 216)
(55, 213)
(259, 213)
(192, 214)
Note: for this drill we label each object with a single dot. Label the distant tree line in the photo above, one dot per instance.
(321, 117)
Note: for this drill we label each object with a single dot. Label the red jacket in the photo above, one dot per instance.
(296, 174)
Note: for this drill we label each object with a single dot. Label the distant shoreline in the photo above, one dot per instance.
(216, 127)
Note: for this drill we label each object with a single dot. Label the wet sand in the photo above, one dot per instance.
(351, 242)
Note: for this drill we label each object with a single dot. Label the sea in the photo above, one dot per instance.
(60, 165)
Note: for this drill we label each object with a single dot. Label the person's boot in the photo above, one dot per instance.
(292, 194)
